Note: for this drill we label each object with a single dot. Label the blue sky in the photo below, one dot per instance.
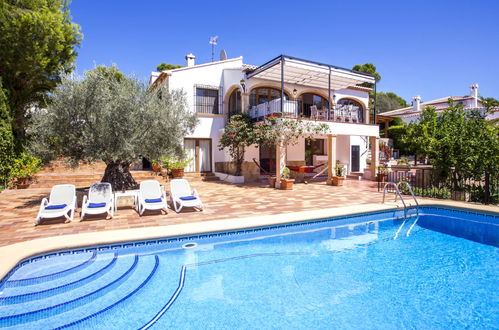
(432, 48)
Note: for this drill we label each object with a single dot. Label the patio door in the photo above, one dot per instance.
(267, 159)
(199, 151)
(355, 158)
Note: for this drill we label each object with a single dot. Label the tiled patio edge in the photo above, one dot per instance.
(10, 255)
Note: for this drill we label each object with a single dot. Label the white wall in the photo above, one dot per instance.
(211, 74)
(296, 152)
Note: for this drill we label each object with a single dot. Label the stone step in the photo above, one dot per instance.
(355, 175)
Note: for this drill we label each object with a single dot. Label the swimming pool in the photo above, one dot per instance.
(376, 270)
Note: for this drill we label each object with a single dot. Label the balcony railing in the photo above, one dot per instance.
(291, 109)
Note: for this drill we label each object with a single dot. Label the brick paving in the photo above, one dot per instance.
(18, 208)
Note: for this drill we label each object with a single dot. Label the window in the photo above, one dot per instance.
(313, 147)
(265, 94)
(306, 100)
(207, 100)
(235, 103)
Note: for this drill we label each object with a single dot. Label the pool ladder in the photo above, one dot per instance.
(397, 193)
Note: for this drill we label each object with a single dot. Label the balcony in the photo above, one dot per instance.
(291, 109)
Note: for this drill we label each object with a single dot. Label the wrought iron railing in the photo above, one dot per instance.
(291, 109)
(470, 186)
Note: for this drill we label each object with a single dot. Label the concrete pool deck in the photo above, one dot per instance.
(228, 207)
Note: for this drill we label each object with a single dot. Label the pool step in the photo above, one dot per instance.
(19, 294)
(35, 310)
(86, 316)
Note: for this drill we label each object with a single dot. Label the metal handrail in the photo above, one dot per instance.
(412, 194)
(396, 190)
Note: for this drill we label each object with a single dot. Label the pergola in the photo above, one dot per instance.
(291, 70)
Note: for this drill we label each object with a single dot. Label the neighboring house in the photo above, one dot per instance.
(413, 112)
(217, 90)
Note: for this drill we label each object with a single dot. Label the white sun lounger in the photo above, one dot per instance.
(182, 195)
(151, 197)
(100, 200)
(62, 202)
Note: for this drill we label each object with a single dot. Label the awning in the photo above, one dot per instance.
(292, 70)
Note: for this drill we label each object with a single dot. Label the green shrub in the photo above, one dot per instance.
(6, 139)
(24, 166)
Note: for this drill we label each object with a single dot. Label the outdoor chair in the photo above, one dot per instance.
(62, 202)
(339, 114)
(151, 197)
(316, 113)
(182, 195)
(100, 200)
(354, 114)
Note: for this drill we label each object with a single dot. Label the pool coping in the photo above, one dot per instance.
(11, 255)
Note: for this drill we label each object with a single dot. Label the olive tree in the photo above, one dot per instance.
(114, 118)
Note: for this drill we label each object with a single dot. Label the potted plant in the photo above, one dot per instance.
(176, 165)
(382, 173)
(286, 181)
(23, 169)
(156, 166)
(339, 174)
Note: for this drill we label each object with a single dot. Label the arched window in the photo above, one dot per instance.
(261, 95)
(235, 103)
(306, 100)
(356, 106)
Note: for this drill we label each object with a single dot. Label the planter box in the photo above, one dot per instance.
(230, 178)
(337, 180)
(287, 184)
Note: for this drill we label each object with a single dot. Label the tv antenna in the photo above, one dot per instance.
(213, 42)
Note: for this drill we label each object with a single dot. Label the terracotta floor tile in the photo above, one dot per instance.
(18, 208)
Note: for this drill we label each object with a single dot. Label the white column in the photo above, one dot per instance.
(280, 160)
(374, 155)
(331, 157)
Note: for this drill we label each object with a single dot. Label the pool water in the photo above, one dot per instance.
(372, 271)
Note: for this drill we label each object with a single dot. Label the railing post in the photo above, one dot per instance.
(282, 84)
(329, 95)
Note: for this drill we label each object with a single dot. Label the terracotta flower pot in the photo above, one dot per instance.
(156, 167)
(287, 184)
(178, 172)
(338, 180)
(272, 181)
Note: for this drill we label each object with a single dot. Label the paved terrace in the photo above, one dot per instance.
(18, 208)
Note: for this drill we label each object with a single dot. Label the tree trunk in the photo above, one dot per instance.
(119, 176)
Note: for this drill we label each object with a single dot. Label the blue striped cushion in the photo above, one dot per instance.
(188, 198)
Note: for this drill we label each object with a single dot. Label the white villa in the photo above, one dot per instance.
(413, 112)
(310, 90)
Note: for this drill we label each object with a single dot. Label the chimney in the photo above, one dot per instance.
(416, 103)
(189, 58)
(474, 95)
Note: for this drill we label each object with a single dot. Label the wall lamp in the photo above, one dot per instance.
(243, 85)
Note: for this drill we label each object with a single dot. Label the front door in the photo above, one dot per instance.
(199, 152)
(355, 158)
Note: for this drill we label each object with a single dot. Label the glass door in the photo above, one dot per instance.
(190, 150)
(204, 155)
(199, 152)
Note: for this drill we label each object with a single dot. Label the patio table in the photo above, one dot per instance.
(126, 193)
